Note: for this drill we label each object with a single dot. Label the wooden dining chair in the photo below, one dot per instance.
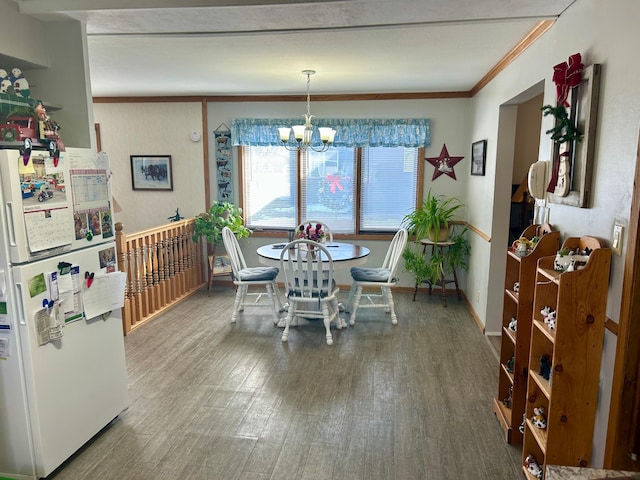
(382, 277)
(245, 277)
(310, 288)
(314, 223)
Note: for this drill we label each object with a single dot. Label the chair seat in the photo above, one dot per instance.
(258, 274)
(360, 274)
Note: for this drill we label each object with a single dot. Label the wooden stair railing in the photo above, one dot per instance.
(163, 266)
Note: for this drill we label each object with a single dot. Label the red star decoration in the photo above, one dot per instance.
(444, 163)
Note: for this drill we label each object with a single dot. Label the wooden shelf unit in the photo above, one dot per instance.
(516, 344)
(574, 348)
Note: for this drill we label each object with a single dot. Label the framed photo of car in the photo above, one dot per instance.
(478, 157)
(151, 172)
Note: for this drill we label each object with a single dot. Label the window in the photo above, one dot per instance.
(355, 190)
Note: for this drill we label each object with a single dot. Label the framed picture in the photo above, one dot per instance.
(478, 157)
(151, 172)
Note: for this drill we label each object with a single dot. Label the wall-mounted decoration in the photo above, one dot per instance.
(573, 134)
(478, 157)
(151, 172)
(224, 163)
(444, 164)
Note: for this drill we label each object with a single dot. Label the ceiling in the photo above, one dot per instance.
(260, 47)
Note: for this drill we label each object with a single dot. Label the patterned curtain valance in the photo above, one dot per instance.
(350, 132)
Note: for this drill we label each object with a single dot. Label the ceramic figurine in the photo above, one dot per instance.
(521, 427)
(21, 88)
(5, 84)
(532, 466)
(516, 287)
(508, 401)
(545, 367)
(538, 419)
(513, 325)
(562, 260)
(550, 320)
(510, 364)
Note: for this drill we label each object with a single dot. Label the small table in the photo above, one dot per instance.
(443, 283)
(344, 255)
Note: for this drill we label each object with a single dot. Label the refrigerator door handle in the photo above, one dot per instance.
(23, 316)
(12, 232)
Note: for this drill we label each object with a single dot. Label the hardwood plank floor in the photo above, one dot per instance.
(212, 400)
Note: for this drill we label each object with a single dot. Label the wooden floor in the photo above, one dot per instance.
(212, 400)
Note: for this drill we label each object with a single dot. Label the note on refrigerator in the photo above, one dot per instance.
(105, 294)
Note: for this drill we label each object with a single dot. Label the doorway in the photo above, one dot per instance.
(525, 152)
(503, 189)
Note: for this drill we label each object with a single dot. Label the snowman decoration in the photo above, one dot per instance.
(20, 84)
(5, 82)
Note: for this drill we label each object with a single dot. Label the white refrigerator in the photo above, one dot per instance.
(62, 361)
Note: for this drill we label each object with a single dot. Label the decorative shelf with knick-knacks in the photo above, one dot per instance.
(567, 334)
(535, 242)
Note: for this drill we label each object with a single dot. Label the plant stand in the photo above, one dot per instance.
(444, 281)
(217, 269)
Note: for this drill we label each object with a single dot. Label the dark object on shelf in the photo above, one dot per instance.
(177, 217)
(510, 363)
(509, 400)
(545, 367)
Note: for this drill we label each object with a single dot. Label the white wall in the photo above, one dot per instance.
(592, 28)
(153, 129)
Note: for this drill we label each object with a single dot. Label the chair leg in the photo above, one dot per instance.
(287, 322)
(356, 303)
(326, 315)
(237, 304)
(243, 289)
(274, 309)
(386, 293)
(352, 292)
(276, 291)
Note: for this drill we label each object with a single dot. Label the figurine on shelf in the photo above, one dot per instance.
(516, 287)
(549, 317)
(509, 400)
(510, 364)
(538, 419)
(532, 466)
(175, 218)
(513, 325)
(524, 420)
(550, 320)
(545, 367)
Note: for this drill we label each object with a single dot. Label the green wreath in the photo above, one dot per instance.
(9, 134)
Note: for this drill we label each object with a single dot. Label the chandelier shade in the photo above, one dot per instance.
(303, 135)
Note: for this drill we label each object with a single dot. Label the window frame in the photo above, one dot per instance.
(357, 195)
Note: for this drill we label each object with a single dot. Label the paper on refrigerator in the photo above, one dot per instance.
(105, 294)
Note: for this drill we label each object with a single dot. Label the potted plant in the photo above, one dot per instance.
(433, 218)
(221, 214)
(433, 267)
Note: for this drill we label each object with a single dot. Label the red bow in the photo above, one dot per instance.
(566, 76)
(334, 182)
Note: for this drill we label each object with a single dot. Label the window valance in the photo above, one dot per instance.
(350, 132)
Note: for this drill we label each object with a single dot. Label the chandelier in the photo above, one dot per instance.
(303, 133)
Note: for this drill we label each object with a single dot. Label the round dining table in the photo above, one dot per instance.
(344, 255)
